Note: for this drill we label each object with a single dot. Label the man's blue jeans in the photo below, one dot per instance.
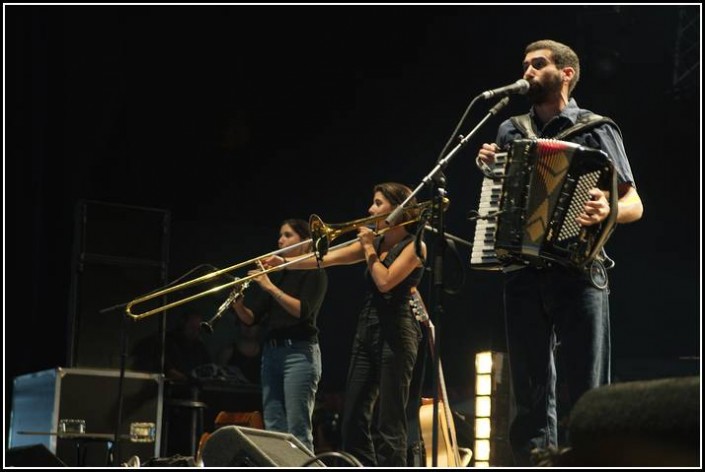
(544, 309)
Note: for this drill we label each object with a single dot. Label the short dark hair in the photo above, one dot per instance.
(562, 56)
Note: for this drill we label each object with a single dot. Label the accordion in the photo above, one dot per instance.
(530, 200)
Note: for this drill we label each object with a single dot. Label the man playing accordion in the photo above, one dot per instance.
(550, 304)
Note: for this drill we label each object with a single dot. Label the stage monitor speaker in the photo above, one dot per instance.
(32, 456)
(653, 423)
(237, 446)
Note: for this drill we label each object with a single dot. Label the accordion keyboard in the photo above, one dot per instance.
(483, 254)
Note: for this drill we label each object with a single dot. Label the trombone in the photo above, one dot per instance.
(323, 234)
(321, 237)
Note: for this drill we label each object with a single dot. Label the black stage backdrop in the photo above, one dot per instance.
(233, 118)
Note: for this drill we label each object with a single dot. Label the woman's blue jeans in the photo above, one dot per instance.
(290, 376)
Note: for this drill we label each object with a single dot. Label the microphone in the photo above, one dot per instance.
(521, 86)
(499, 105)
(395, 216)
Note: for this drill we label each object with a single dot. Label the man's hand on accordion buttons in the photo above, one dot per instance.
(595, 210)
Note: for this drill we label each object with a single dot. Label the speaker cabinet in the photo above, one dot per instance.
(42, 399)
(32, 456)
(120, 252)
(237, 446)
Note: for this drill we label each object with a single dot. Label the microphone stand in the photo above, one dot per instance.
(435, 297)
(450, 236)
(114, 450)
(437, 250)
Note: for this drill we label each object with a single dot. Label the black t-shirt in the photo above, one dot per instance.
(309, 286)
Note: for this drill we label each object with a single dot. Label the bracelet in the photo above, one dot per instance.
(279, 295)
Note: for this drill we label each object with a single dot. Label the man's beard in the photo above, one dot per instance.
(543, 92)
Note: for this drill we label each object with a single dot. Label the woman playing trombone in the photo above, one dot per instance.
(288, 306)
(387, 335)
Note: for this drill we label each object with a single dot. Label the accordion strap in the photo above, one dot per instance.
(584, 123)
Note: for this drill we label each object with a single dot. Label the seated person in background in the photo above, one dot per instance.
(242, 359)
(184, 349)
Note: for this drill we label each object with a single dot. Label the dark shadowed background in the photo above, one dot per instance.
(234, 118)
